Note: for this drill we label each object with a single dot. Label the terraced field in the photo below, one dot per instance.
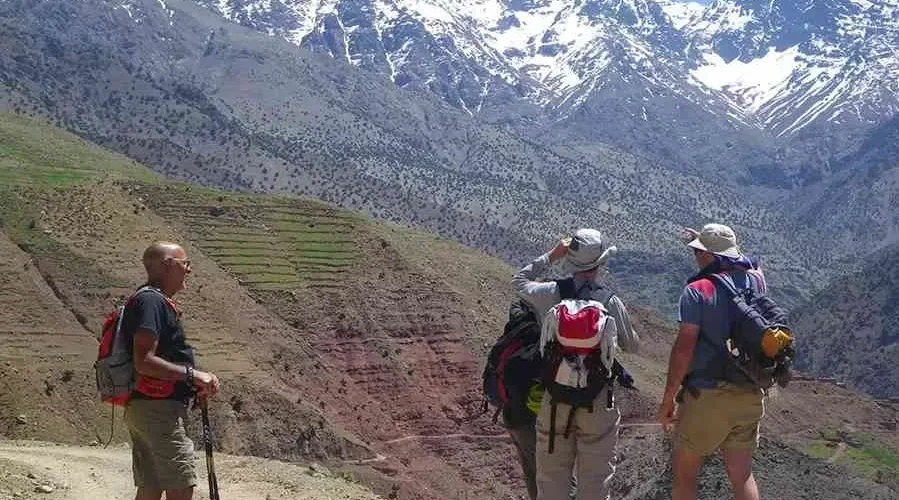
(275, 244)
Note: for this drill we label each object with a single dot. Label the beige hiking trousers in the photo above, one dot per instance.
(590, 447)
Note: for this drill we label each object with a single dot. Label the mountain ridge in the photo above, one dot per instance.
(547, 50)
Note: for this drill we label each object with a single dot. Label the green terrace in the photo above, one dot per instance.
(863, 453)
(268, 242)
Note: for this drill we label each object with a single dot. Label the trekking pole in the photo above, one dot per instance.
(210, 462)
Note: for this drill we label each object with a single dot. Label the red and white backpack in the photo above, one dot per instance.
(578, 344)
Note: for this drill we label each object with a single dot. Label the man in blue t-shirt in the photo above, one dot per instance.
(717, 410)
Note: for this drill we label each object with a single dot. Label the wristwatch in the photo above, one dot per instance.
(189, 375)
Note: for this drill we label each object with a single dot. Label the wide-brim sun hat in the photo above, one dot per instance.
(586, 251)
(717, 239)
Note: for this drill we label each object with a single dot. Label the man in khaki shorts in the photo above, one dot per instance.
(162, 453)
(719, 407)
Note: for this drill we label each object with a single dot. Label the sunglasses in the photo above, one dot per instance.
(575, 244)
(186, 262)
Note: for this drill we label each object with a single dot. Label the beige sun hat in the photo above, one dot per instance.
(586, 251)
(717, 239)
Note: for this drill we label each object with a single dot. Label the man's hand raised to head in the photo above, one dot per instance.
(558, 251)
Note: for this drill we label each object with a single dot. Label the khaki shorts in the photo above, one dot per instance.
(723, 418)
(162, 454)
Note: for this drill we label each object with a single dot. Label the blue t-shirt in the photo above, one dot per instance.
(703, 303)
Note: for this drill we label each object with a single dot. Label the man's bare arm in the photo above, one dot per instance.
(148, 364)
(681, 357)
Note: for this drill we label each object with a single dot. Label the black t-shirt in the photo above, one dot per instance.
(150, 310)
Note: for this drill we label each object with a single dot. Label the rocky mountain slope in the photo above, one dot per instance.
(862, 309)
(858, 204)
(382, 385)
(207, 101)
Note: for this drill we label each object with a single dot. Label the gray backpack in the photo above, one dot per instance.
(114, 368)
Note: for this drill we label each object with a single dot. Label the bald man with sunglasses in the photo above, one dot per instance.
(166, 381)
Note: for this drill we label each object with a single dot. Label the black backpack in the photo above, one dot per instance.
(514, 363)
(511, 365)
(755, 316)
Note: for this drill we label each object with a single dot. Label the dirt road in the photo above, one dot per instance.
(77, 473)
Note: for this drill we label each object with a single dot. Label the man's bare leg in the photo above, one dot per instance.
(685, 466)
(738, 464)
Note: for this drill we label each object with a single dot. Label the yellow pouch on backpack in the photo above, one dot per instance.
(535, 398)
(775, 339)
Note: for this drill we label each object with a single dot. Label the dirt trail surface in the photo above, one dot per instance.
(78, 473)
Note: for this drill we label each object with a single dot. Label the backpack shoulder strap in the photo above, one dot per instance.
(566, 288)
(605, 296)
(147, 288)
(726, 283)
(150, 289)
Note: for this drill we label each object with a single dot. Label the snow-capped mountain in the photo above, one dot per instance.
(560, 65)
(471, 51)
(790, 63)
(693, 86)
(779, 64)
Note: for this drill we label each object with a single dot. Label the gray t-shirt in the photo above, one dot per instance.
(705, 304)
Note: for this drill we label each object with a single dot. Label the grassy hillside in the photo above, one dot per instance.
(337, 338)
(301, 309)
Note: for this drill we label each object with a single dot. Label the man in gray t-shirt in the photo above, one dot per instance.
(591, 445)
(715, 412)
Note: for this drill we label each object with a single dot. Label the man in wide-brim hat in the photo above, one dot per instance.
(718, 410)
(591, 445)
